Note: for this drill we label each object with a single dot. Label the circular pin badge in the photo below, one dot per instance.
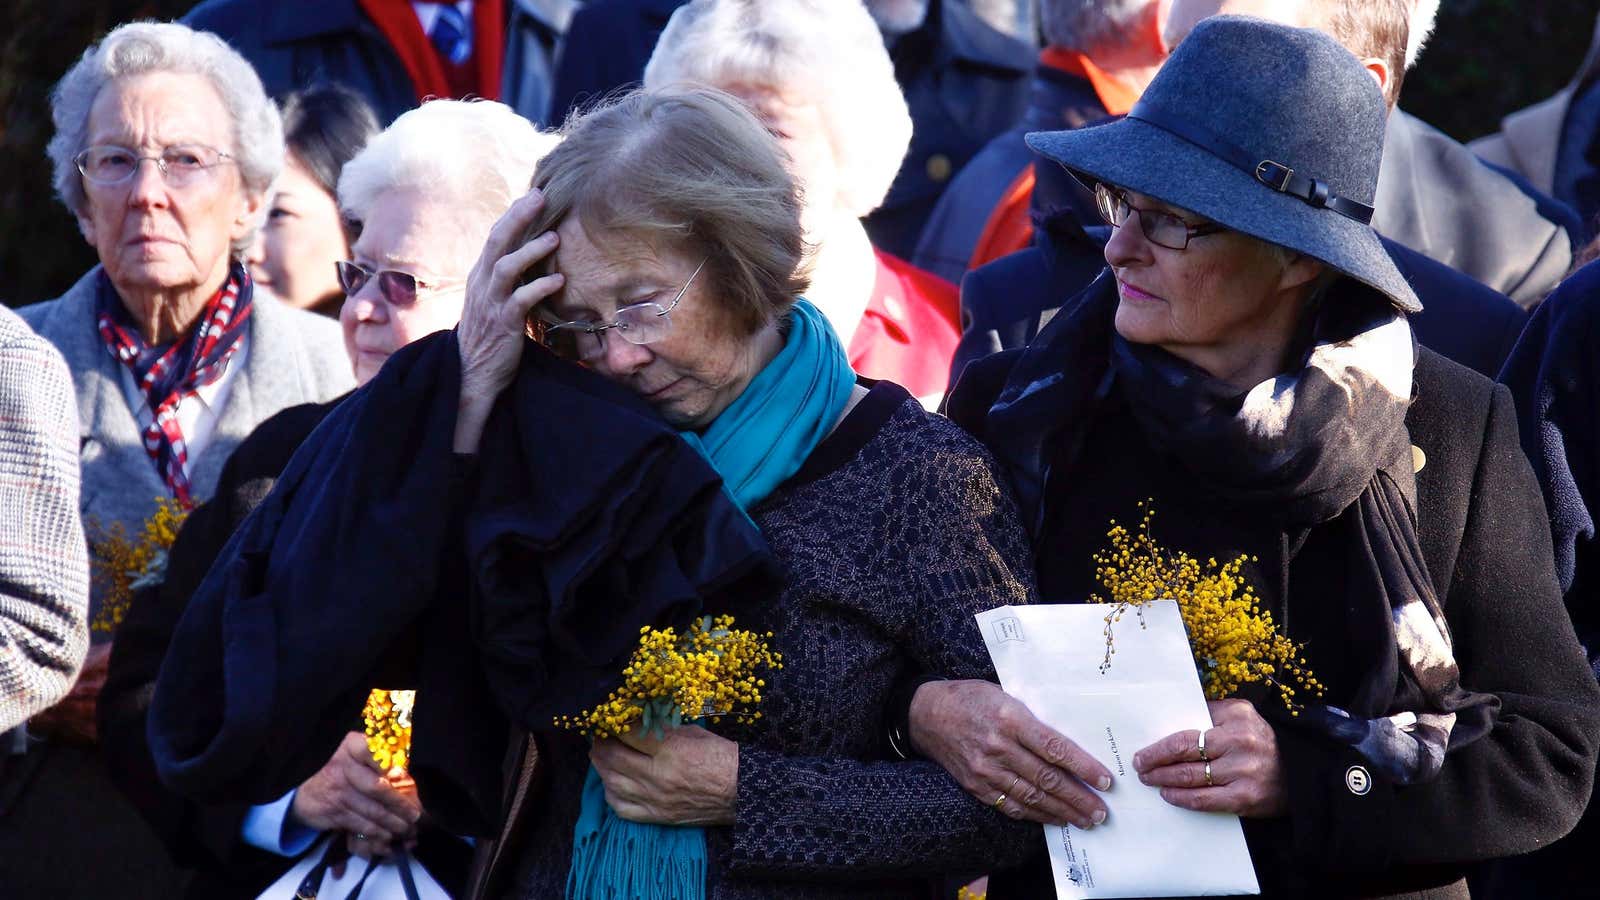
(1357, 780)
(940, 168)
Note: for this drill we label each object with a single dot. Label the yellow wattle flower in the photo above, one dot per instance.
(387, 717)
(1234, 640)
(708, 672)
(118, 561)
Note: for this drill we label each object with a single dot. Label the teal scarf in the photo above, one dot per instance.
(761, 440)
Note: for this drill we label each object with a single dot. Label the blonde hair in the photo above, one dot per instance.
(831, 50)
(690, 168)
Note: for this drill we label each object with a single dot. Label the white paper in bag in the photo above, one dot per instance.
(1049, 656)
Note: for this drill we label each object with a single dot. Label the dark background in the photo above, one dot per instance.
(1487, 58)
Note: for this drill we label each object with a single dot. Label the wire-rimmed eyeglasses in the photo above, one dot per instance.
(181, 165)
(1163, 229)
(638, 323)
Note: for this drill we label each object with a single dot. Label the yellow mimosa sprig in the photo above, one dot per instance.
(388, 724)
(710, 671)
(120, 565)
(1234, 640)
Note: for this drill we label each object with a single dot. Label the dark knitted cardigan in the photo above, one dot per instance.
(894, 534)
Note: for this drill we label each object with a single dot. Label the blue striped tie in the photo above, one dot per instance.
(452, 34)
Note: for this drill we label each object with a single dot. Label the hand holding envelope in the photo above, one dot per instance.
(1049, 657)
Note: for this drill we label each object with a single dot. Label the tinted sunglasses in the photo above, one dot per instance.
(399, 289)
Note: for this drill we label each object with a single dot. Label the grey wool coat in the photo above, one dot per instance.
(294, 357)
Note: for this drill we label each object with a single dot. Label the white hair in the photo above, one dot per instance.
(1423, 15)
(829, 50)
(474, 156)
(1089, 24)
(141, 48)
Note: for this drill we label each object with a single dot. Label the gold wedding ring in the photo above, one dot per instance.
(1209, 782)
(1000, 801)
(1201, 746)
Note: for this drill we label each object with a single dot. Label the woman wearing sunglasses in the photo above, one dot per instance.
(425, 192)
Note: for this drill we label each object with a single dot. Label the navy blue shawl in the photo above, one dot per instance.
(510, 590)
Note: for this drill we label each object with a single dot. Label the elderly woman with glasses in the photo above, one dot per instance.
(817, 73)
(423, 194)
(1245, 369)
(165, 150)
(662, 250)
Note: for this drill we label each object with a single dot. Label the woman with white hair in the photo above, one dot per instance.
(424, 192)
(165, 150)
(817, 73)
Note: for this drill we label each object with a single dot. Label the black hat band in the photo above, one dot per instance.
(1273, 174)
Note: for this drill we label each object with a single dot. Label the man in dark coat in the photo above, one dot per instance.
(296, 43)
(963, 80)
(988, 210)
(1554, 376)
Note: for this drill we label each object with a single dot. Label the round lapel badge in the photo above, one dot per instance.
(1357, 780)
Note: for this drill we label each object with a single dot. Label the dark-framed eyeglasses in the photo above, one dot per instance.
(637, 323)
(181, 165)
(399, 289)
(1163, 229)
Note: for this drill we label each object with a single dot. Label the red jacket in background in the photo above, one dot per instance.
(909, 331)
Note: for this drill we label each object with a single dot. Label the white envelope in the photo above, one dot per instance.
(1049, 656)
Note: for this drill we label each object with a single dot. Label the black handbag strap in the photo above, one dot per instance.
(335, 853)
(407, 883)
(338, 852)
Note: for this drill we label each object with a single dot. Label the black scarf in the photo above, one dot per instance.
(1306, 447)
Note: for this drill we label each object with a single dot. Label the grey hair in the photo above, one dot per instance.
(475, 156)
(832, 47)
(1088, 24)
(141, 48)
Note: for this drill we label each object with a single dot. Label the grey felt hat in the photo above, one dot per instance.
(1272, 131)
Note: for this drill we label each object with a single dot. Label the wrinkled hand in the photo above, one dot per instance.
(992, 744)
(72, 719)
(493, 325)
(351, 794)
(1246, 770)
(689, 777)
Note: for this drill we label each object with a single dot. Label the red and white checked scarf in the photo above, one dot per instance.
(168, 373)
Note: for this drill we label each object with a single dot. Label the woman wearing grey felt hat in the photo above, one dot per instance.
(1245, 365)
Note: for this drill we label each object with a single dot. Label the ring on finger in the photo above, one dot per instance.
(1209, 782)
(361, 837)
(1000, 801)
(1200, 746)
